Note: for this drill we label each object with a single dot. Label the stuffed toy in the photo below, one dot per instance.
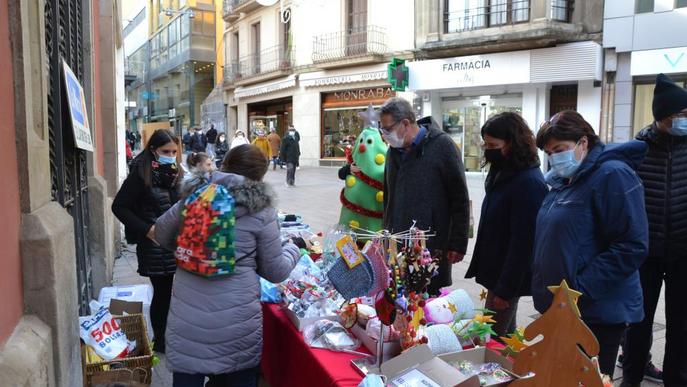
(445, 309)
(362, 198)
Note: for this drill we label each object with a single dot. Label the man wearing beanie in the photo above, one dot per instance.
(664, 174)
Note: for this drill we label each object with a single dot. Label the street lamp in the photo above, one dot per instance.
(170, 12)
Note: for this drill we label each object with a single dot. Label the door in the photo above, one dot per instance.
(256, 47)
(69, 178)
(356, 27)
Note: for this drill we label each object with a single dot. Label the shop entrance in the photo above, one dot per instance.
(463, 118)
(277, 114)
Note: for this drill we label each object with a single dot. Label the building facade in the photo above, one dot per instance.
(476, 58)
(60, 239)
(314, 64)
(642, 38)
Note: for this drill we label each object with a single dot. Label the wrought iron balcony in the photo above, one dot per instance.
(362, 42)
(270, 62)
(231, 74)
(507, 13)
(232, 8)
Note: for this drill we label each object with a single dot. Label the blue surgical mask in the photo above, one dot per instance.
(679, 127)
(564, 163)
(166, 159)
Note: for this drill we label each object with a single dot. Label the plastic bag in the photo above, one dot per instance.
(102, 332)
(269, 292)
(330, 335)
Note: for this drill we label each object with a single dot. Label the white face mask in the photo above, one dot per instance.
(394, 140)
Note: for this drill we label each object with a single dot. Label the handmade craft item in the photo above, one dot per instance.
(362, 198)
(561, 358)
(445, 309)
(442, 339)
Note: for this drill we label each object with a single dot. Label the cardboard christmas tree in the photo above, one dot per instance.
(562, 357)
(362, 198)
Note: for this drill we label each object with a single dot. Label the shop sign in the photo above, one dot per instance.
(77, 110)
(347, 78)
(362, 94)
(469, 71)
(651, 62)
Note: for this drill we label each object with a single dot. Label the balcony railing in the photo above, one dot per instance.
(277, 58)
(230, 8)
(498, 14)
(231, 73)
(370, 40)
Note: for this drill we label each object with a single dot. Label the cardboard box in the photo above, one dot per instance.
(301, 323)
(481, 355)
(418, 366)
(391, 348)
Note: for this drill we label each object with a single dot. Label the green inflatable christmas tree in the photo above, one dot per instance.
(362, 198)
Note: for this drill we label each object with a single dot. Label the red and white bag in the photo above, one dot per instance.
(102, 332)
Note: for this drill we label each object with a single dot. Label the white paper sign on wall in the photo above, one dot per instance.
(469, 71)
(77, 110)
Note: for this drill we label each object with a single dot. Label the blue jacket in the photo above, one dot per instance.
(593, 232)
(502, 257)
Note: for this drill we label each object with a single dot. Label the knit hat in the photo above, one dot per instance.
(669, 98)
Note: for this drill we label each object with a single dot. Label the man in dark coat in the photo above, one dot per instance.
(290, 153)
(198, 141)
(211, 137)
(424, 184)
(664, 175)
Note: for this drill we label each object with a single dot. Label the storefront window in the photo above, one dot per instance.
(339, 124)
(340, 116)
(463, 119)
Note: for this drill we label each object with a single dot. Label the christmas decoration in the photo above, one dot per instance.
(558, 359)
(362, 198)
(514, 343)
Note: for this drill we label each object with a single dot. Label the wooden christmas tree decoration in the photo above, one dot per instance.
(557, 360)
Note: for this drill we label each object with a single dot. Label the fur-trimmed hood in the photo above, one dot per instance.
(250, 196)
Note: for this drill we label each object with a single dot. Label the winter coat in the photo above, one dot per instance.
(664, 174)
(238, 141)
(427, 185)
(138, 207)
(264, 145)
(215, 326)
(211, 136)
(187, 141)
(502, 259)
(275, 143)
(221, 149)
(290, 150)
(198, 142)
(593, 233)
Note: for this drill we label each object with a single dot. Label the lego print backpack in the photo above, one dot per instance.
(205, 244)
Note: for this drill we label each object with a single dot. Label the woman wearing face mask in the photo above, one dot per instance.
(149, 191)
(592, 229)
(239, 139)
(515, 189)
(222, 147)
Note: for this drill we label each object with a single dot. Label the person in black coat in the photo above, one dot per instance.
(199, 142)
(515, 189)
(290, 153)
(211, 137)
(424, 184)
(221, 148)
(664, 175)
(149, 190)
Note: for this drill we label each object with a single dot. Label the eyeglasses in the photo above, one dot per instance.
(386, 131)
(551, 121)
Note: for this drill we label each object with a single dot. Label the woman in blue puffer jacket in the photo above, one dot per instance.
(592, 229)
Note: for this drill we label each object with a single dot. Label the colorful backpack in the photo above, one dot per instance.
(205, 244)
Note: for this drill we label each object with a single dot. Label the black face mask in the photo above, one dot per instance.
(494, 157)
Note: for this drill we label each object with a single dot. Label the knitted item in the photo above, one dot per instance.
(442, 339)
(351, 283)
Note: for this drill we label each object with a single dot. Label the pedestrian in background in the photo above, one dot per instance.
(424, 185)
(664, 174)
(263, 144)
(149, 190)
(290, 154)
(592, 229)
(239, 139)
(515, 189)
(186, 140)
(211, 137)
(215, 325)
(275, 144)
(198, 140)
(221, 148)
(200, 163)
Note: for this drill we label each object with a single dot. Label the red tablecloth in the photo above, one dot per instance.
(288, 361)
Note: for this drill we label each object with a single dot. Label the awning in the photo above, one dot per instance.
(337, 77)
(264, 88)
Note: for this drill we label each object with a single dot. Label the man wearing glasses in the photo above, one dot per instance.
(664, 174)
(424, 184)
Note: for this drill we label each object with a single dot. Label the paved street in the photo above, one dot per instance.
(315, 197)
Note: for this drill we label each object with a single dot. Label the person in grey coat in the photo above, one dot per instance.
(214, 326)
(424, 184)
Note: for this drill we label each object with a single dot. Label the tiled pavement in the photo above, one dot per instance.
(315, 197)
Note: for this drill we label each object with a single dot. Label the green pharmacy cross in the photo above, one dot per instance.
(398, 74)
